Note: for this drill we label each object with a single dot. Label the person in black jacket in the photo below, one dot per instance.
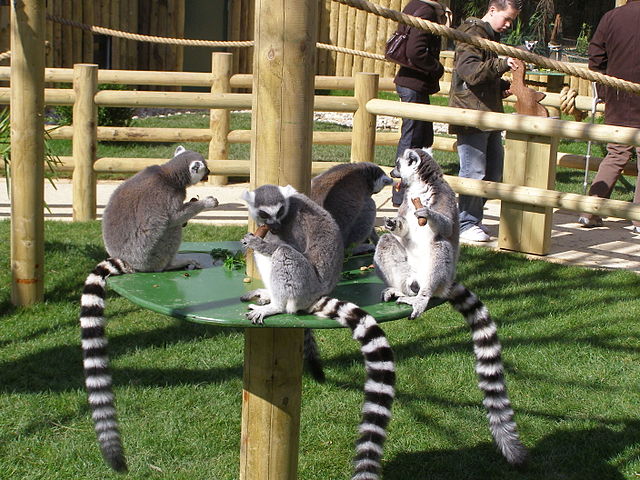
(415, 86)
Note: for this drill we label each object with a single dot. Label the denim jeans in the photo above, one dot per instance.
(481, 157)
(414, 133)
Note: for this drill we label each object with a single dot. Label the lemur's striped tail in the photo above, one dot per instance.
(96, 361)
(312, 356)
(490, 370)
(379, 386)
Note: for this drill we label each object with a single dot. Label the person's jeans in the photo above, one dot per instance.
(481, 157)
(414, 133)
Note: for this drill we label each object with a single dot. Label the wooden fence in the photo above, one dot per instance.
(68, 45)
(365, 106)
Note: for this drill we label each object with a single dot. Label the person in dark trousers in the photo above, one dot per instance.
(477, 84)
(415, 85)
(613, 51)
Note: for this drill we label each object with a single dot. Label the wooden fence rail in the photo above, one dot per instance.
(364, 104)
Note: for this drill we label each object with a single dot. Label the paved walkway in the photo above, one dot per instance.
(611, 246)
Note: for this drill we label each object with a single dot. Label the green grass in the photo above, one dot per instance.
(571, 349)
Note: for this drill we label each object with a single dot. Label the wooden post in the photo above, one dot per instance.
(221, 65)
(363, 138)
(529, 161)
(85, 141)
(27, 151)
(282, 128)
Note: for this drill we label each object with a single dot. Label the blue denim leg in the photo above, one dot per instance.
(414, 133)
(481, 158)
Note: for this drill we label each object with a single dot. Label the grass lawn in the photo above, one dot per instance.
(571, 342)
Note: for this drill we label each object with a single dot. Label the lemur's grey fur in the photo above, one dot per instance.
(300, 261)
(418, 262)
(142, 230)
(345, 191)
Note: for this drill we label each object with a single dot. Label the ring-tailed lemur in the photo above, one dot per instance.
(418, 262)
(142, 231)
(345, 192)
(300, 261)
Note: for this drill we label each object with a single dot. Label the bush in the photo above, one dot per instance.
(107, 116)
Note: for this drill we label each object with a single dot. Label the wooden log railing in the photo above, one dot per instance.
(365, 104)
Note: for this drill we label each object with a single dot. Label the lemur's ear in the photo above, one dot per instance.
(248, 197)
(179, 150)
(288, 191)
(413, 157)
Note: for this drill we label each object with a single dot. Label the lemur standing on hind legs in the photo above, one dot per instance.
(142, 230)
(417, 261)
(300, 261)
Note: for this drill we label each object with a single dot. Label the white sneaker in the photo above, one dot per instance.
(474, 234)
(484, 228)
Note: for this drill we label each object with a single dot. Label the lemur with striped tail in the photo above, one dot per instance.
(417, 261)
(142, 230)
(345, 192)
(300, 261)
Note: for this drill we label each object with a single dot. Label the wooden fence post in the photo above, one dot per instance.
(27, 151)
(363, 138)
(282, 127)
(85, 141)
(529, 161)
(221, 65)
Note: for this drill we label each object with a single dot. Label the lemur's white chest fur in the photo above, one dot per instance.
(417, 238)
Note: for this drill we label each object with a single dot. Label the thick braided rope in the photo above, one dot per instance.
(149, 38)
(568, 103)
(5, 55)
(496, 47)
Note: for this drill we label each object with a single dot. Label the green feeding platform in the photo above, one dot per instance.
(211, 295)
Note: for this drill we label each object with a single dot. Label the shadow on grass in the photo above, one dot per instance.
(59, 369)
(567, 455)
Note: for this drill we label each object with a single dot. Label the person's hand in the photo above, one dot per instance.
(513, 64)
(506, 93)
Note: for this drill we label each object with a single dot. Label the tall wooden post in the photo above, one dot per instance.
(529, 161)
(363, 139)
(27, 151)
(221, 65)
(85, 141)
(282, 129)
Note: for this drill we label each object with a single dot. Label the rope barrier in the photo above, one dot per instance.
(149, 38)
(499, 48)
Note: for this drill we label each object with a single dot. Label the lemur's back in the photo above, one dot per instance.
(136, 224)
(315, 234)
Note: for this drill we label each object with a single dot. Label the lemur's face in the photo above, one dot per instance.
(269, 205)
(198, 171)
(381, 182)
(407, 165)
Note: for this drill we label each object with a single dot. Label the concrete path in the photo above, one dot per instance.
(611, 246)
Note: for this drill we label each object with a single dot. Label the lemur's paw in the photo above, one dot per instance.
(389, 294)
(210, 203)
(261, 295)
(255, 315)
(193, 265)
(423, 212)
(390, 223)
(418, 303)
(251, 241)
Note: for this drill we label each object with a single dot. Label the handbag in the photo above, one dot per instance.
(396, 49)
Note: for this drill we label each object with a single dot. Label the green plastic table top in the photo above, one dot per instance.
(212, 295)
